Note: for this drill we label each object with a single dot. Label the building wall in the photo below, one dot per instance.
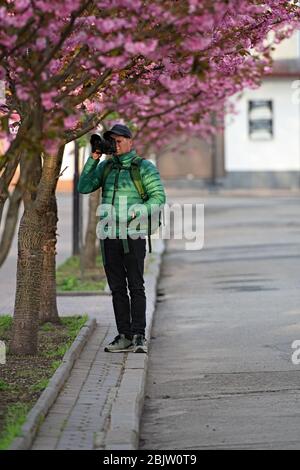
(282, 152)
(288, 49)
(272, 161)
(191, 160)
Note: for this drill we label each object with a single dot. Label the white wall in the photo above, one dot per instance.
(282, 153)
(68, 161)
(289, 48)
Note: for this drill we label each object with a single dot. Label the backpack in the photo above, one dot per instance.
(138, 183)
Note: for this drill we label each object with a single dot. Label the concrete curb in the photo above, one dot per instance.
(124, 427)
(82, 294)
(49, 395)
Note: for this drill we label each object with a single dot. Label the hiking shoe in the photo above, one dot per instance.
(121, 343)
(139, 344)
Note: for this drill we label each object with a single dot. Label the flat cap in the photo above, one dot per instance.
(118, 129)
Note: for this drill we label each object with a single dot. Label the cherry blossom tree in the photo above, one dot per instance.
(163, 65)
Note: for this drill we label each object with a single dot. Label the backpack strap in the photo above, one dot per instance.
(134, 173)
(106, 170)
(149, 235)
(136, 177)
(138, 182)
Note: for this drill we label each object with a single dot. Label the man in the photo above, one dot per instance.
(124, 259)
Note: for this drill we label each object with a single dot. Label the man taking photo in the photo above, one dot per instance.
(125, 176)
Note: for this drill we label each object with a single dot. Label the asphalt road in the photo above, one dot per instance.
(220, 363)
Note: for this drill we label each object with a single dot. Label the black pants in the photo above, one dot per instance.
(122, 269)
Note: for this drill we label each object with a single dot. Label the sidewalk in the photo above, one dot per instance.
(100, 404)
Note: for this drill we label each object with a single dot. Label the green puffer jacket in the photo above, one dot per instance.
(119, 186)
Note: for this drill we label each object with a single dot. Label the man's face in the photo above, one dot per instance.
(123, 144)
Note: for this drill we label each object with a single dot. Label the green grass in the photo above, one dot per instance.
(60, 351)
(73, 325)
(39, 386)
(4, 386)
(69, 277)
(48, 327)
(55, 365)
(15, 418)
(5, 324)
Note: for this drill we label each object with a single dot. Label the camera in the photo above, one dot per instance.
(107, 146)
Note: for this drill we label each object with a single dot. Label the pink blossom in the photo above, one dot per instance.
(143, 48)
(196, 44)
(51, 146)
(22, 94)
(153, 62)
(41, 44)
(47, 99)
(70, 122)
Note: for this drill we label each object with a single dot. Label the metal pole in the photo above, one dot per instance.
(76, 203)
(213, 153)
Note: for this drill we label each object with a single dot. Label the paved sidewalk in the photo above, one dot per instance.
(81, 417)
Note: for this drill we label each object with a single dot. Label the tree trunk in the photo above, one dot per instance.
(30, 262)
(89, 253)
(48, 307)
(28, 291)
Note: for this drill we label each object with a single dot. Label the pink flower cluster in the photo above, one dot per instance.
(164, 66)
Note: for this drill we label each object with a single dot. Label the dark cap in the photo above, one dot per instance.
(118, 129)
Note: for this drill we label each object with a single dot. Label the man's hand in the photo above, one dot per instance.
(96, 155)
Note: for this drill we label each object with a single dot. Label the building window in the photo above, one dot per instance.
(260, 119)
